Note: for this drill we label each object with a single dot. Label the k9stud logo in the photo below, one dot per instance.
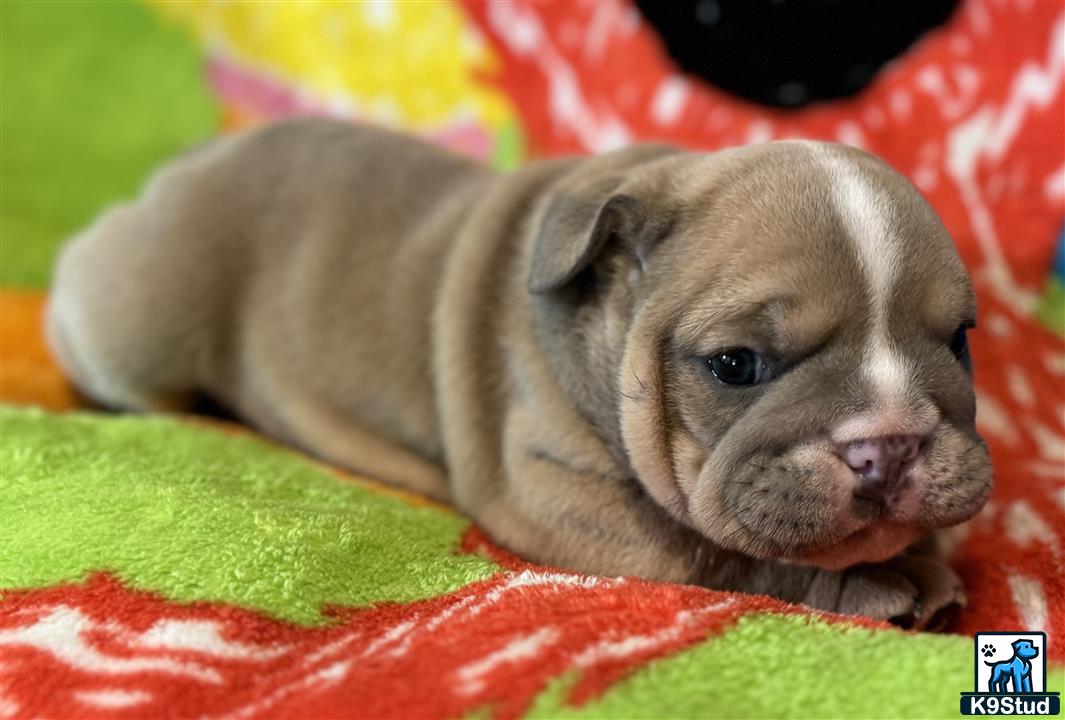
(1010, 675)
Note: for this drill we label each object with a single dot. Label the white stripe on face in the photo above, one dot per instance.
(866, 215)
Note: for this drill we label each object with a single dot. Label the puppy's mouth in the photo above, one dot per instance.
(817, 509)
(875, 518)
(877, 514)
(814, 505)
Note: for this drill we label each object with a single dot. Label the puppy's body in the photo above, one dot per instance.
(292, 288)
(528, 346)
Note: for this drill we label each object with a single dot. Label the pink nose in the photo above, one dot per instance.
(881, 463)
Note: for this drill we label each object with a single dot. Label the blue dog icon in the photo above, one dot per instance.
(1017, 669)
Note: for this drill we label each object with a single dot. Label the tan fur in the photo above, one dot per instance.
(531, 346)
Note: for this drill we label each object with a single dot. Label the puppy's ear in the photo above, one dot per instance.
(579, 226)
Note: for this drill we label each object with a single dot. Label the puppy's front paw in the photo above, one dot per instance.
(909, 591)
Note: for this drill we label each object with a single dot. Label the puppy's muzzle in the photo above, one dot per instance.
(881, 464)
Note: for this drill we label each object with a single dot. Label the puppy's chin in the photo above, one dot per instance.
(874, 543)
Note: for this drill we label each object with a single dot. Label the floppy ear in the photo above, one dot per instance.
(573, 231)
(608, 205)
(578, 227)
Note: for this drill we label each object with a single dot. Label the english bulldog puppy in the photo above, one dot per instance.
(744, 369)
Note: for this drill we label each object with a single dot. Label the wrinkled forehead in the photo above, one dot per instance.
(821, 223)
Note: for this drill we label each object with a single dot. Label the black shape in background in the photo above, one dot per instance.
(789, 53)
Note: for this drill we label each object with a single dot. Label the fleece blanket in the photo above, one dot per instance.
(172, 566)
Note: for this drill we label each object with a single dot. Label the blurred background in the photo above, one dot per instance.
(95, 94)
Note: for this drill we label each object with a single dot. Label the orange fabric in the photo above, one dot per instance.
(28, 374)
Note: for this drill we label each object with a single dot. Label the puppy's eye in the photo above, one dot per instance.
(959, 345)
(739, 366)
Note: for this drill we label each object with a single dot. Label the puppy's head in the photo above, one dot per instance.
(776, 335)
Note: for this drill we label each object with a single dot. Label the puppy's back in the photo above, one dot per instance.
(287, 247)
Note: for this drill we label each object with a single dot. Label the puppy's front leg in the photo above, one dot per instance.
(558, 498)
(910, 590)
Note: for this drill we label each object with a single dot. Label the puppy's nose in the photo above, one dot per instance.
(881, 463)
